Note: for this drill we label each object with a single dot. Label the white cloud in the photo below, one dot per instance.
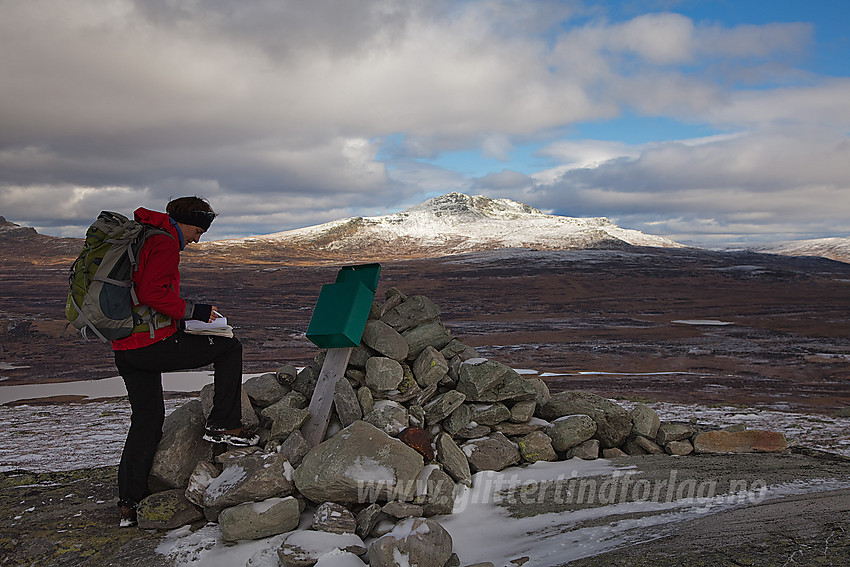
(279, 111)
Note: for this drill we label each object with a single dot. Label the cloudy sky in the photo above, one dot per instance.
(708, 121)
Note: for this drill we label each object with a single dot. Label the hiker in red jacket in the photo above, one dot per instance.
(144, 355)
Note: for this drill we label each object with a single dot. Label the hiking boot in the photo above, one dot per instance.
(128, 517)
(238, 437)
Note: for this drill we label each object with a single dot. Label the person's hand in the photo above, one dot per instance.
(214, 314)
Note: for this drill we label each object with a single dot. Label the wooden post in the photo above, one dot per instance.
(333, 369)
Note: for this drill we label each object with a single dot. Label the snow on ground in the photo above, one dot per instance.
(481, 527)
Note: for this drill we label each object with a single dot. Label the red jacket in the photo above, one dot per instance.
(158, 280)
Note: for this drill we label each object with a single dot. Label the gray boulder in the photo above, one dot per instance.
(253, 478)
(492, 453)
(587, 451)
(440, 407)
(536, 446)
(401, 510)
(294, 448)
(285, 419)
(567, 432)
(439, 493)
(256, 520)
(180, 449)
(346, 404)
(334, 518)
(167, 510)
(458, 419)
(453, 459)
(383, 373)
(429, 367)
(522, 412)
(613, 423)
(304, 548)
(388, 416)
(490, 414)
(359, 459)
(479, 375)
(367, 519)
(384, 339)
(421, 541)
(264, 390)
(430, 334)
(199, 480)
(413, 312)
(669, 432)
(646, 421)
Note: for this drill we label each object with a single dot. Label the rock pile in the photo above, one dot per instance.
(417, 413)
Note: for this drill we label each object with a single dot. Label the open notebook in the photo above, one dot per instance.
(218, 327)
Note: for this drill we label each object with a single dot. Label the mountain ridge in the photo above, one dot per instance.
(450, 224)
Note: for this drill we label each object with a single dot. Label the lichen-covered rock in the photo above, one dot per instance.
(440, 407)
(414, 311)
(256, 520)
(668, 432)
(430, 334)
(453, 459)
(568, 431)
(536, 446)
(587, 451)
(613, 423)
(383, 373)
(256, 477)
(492, 453)
(384, 339)
(388, 416)
(264, 390)
(522, 412)
(285, 420)
(679, 448)
(415, 541)
(458, 419)
(645, 420)
(357, 460)
(167, 510)
(401, 510)
(429, 367)
(345, 402)
(367, 519)
(294, 448)
(490, 414)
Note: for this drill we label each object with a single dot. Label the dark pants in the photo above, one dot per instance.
(142, 370)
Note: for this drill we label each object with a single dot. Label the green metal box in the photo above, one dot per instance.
(367, 274)
(343, 307)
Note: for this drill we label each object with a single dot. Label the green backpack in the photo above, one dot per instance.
(101, 294)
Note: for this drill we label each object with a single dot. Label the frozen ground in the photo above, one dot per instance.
(489, 523)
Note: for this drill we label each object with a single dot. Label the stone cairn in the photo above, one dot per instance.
(417, 413)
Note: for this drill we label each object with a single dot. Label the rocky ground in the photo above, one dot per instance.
(612, 313)
(69, 518)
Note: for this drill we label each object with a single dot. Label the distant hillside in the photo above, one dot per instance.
(450, 224)
(833, 248)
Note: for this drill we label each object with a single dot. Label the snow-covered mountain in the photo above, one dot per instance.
(456, 223)
(833, 248)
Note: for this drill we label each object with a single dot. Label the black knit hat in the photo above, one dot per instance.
(201, 219)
